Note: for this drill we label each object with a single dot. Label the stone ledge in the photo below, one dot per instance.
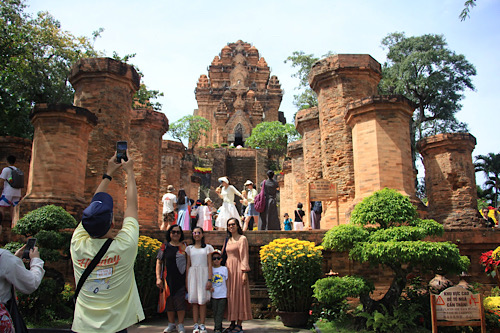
(462, 140)
(44, 108)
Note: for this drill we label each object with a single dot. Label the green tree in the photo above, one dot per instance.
(385, 231)
(468, 5)
(429, 74)
(274, 136)
(303, 62)
(490, 165)
(190, 128)
(35, 59)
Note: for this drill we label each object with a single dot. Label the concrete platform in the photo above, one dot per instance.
(157, 325)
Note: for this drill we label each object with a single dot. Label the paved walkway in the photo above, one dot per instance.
(157, 325)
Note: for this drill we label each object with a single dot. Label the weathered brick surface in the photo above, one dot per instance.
(58, 162)
(295, 183)
(105, 87)
(339, 80)
(381, 144)
(146, 131)
(450, 179)
(238, 94)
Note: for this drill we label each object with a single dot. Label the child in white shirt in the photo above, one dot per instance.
(219, 290)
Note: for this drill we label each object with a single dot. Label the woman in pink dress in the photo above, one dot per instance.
(238, 290)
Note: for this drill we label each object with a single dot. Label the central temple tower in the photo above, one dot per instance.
(238, 94)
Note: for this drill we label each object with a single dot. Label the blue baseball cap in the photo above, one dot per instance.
(97, 217)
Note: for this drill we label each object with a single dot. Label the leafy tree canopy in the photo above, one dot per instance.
(384, 230)
(490, 165)
(468, 5)
(425, 71)
(36, 56)
(303, 62)
(190, 128)
(274, 136)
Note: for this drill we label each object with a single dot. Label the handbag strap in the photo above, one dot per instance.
(91, 266)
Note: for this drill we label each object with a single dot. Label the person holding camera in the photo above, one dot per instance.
(108, 300)
(13, 273)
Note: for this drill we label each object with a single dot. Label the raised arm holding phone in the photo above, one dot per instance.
(108, 300)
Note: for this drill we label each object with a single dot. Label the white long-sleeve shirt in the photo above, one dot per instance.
(13, 272)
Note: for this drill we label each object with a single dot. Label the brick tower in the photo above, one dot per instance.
(339, 80)
(146, 131)
(58, 161)
(237, 95)
(105, 87)
(450, 179)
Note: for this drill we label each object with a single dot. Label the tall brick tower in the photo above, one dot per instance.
(339, 80)
(105, 87)
(237, 95)
(59, 156)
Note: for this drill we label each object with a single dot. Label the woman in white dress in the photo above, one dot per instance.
(228, 210)
(199, 278)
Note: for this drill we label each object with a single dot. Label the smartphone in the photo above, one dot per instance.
(30, 244)
(121, 151)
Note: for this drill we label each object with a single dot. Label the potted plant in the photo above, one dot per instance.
(490, 260)
(290, 268)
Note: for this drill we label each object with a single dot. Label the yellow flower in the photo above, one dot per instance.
(279, 264)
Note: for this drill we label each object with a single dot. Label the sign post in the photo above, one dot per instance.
(322, 190)
(456, 306)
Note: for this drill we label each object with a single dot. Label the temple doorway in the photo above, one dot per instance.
(238, 136)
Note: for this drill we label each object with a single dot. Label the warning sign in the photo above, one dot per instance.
(458, 304)
(322, 189)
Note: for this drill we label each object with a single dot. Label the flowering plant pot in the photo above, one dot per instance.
(290, 268)
(490, 260)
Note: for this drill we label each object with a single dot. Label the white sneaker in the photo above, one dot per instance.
(203, 329)
(196, 328)
(169, 328)
(180, 328)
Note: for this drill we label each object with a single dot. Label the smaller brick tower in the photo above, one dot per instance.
(146, 131)
(381, 144)
(105, 87)
(339, 80)
(450, 179)
(307, 123)
(58, 161)
(295, 190)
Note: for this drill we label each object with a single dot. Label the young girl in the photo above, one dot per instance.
(298, 223)
(199, 278)
(287, 223)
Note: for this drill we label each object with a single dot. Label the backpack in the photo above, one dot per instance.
(260, 199)
(318, 207)
(16, 179)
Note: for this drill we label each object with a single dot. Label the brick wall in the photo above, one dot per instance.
(146, 131)
(58, 162)
(450, 179)
(105, 87)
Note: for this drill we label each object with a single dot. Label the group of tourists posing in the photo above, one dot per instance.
(195, 273)
(187, 214)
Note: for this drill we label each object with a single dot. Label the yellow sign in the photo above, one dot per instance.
(322, 190)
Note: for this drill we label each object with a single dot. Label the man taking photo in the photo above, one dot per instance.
(108, 300)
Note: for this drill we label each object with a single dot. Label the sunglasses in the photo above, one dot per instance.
(196, 233)
(231, 225)
(174, 232)
(216, 258)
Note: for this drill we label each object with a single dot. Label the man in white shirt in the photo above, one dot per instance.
(10, 196)
(169, 204)
(109, 300)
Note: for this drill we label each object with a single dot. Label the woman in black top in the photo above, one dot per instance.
(298, 223)
(172, 256)
(269, 219)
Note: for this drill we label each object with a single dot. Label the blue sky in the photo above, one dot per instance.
(175, 41)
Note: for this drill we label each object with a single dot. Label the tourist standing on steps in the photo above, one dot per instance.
(249, 194)
(238, 291)
(10, 196)
(298, 222)
(228, 209)
(171, 259)
(199, 278)
(269, 219)
(169, 204)
(316, 210)
(183, 203)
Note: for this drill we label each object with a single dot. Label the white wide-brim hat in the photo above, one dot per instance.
(248, 182)
(223, 179)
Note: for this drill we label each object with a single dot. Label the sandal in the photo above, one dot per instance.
(228, 329)
(237, 329)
